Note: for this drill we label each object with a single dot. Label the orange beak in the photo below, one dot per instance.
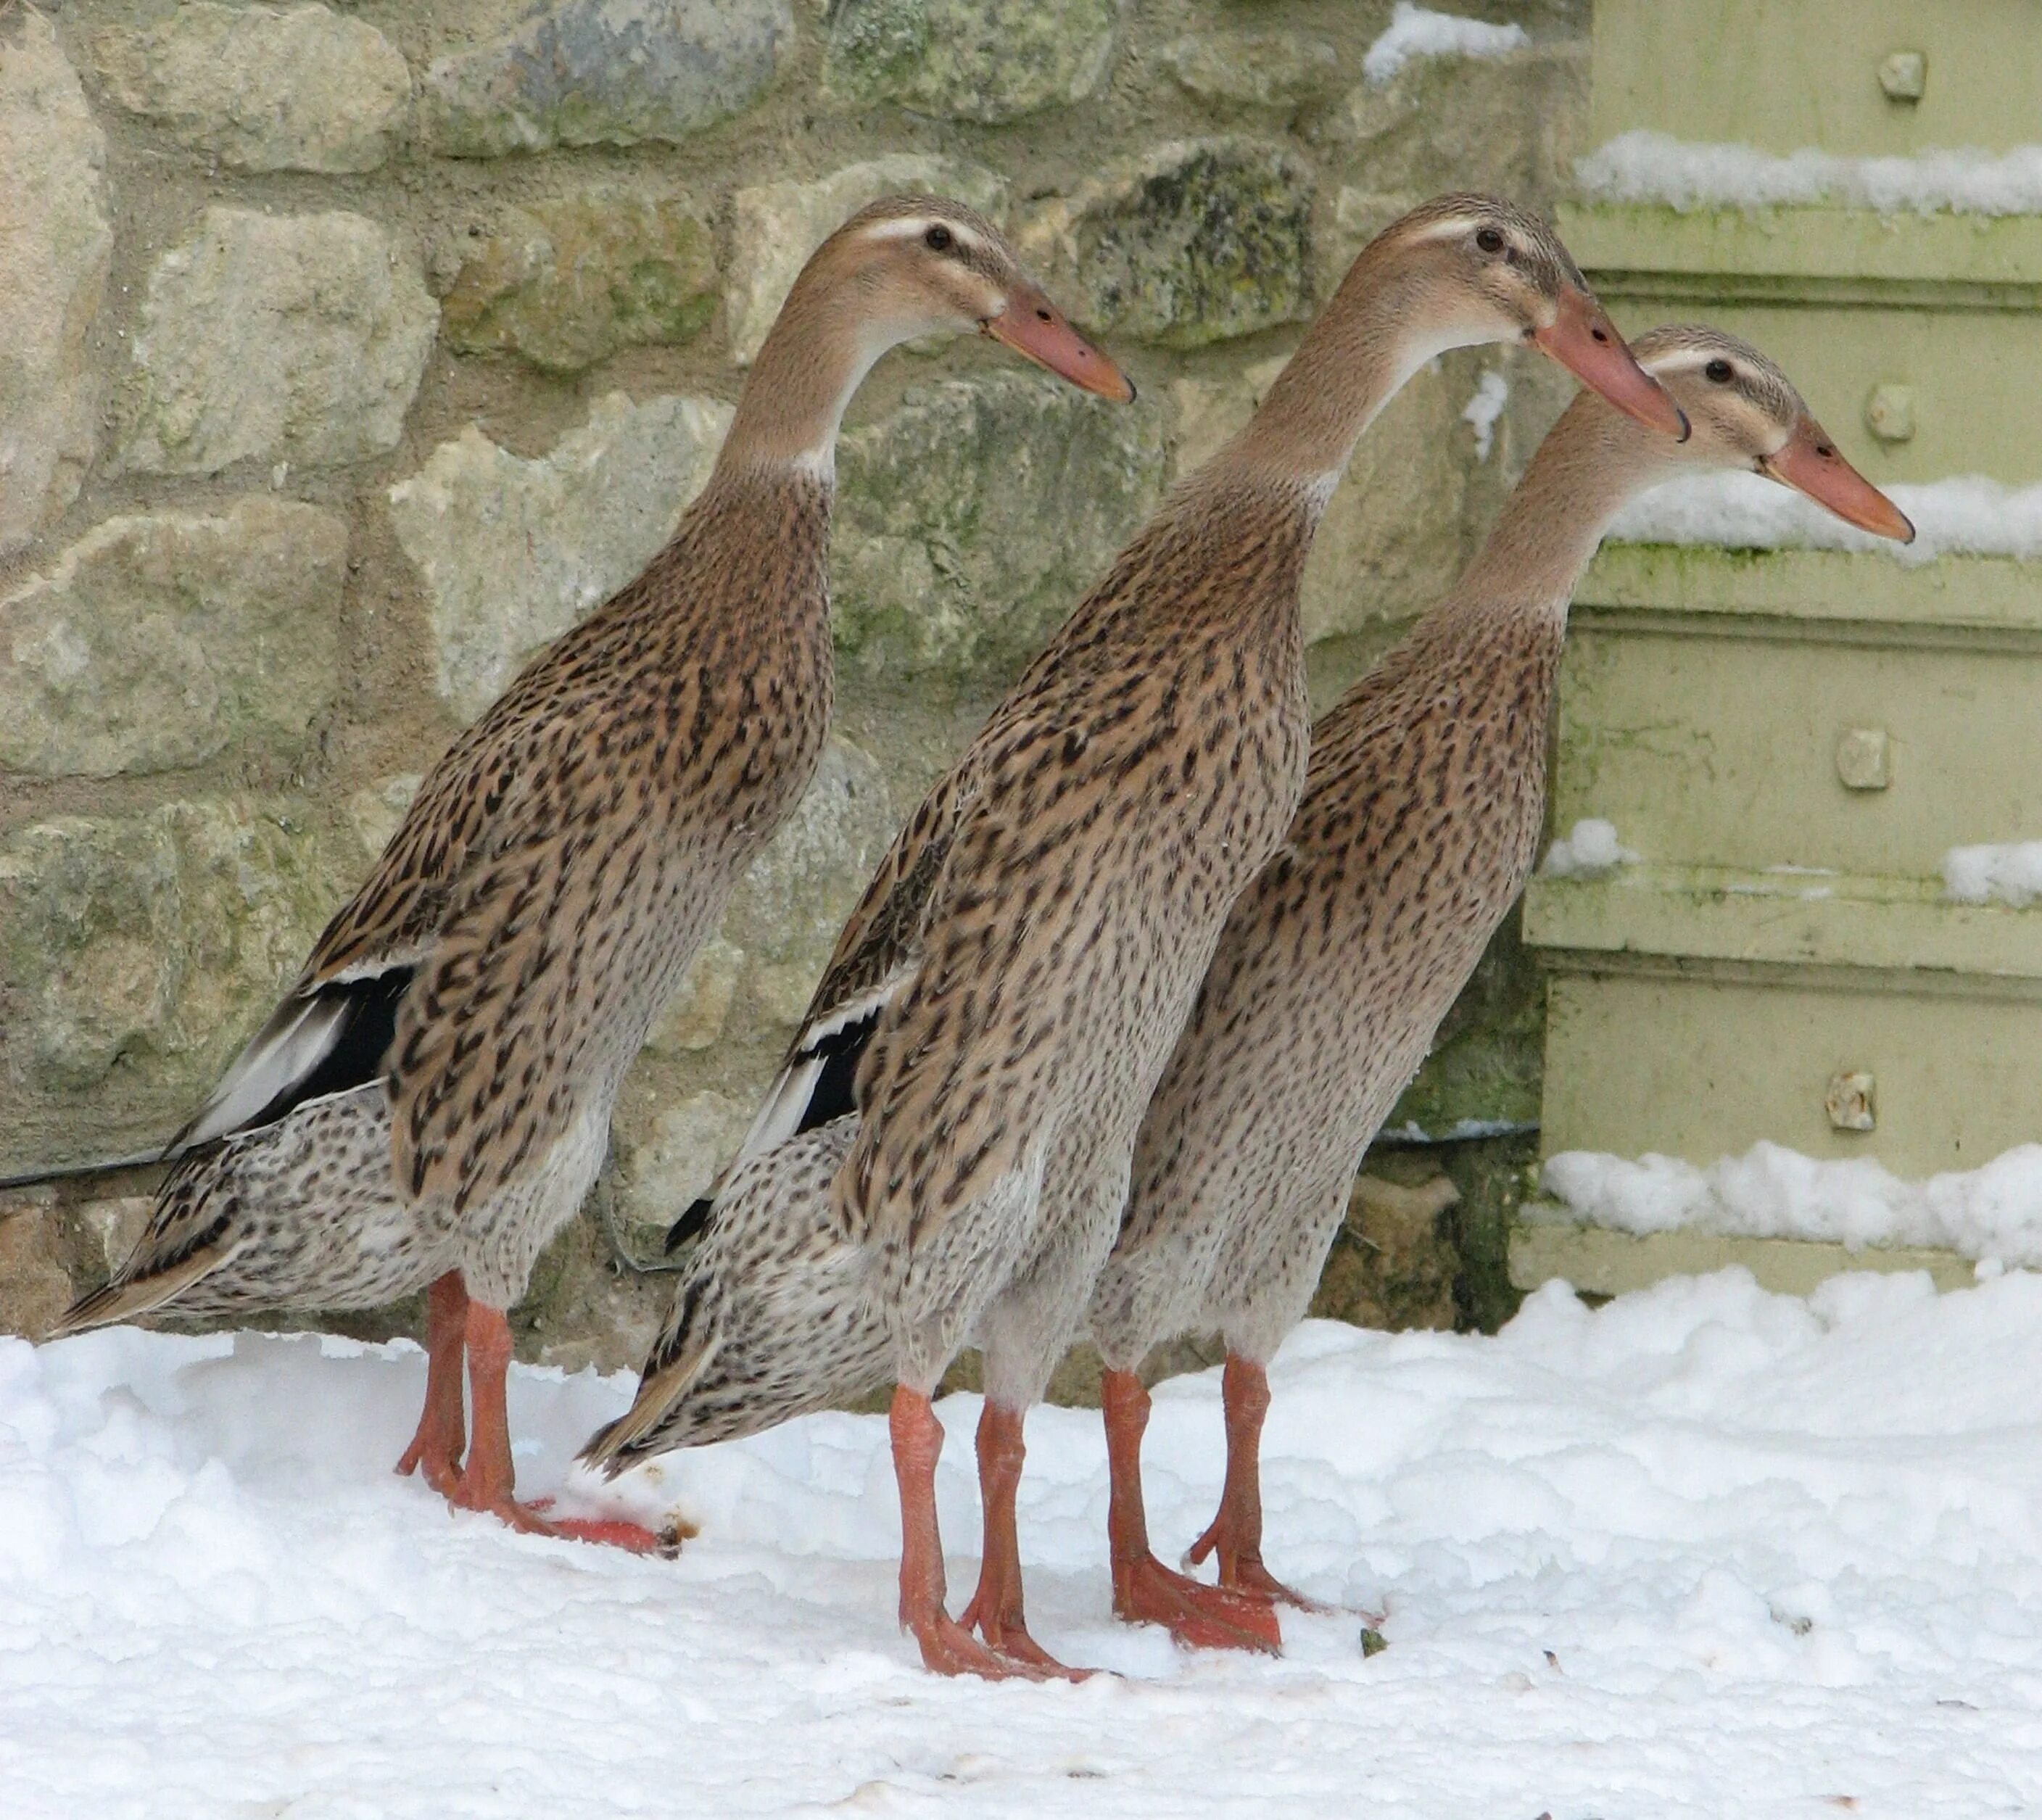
(1809, 464)
(1033, 327)
(1584, 341)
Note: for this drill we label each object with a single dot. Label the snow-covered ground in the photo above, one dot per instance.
(1703, 1552)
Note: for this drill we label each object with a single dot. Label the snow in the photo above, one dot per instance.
(1704, 1551)
(1993, 1212)
(1589, 850)
(1655, 167)
(1491, 393)
(1416, 31)
(2011, 872)
(1965, 515)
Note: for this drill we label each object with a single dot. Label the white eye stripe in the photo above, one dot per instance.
(914, 227)
(1452, 227)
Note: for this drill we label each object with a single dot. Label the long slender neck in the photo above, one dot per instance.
(1377, 330)
(1591, 461)
(815, 356)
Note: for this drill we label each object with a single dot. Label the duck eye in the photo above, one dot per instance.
(1489, 239)
(1719, 371)
(938, 238)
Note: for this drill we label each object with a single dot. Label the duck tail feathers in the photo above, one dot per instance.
(139, 1296)
(634, 1435)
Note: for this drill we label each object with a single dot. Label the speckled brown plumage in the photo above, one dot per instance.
(1020, 968)
(1420, 824)
(476, 1004)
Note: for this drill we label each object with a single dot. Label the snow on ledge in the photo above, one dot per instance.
(1770, 1192)
(1966, 515)
(2011, 872)
(1689, 174)
(1588, 850)
(1416, 31)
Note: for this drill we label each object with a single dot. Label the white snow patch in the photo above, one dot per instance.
(1770, 1192)
(1414, 32)
(1688, 174)
(1491, 393)
(1702, 1551)
(1589, 850)
(2011, 872)
(1966, 515)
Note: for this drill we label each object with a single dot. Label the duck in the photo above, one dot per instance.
(1422, 813)
(431, 1100)
(1008, 989)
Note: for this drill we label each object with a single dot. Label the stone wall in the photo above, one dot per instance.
(352, 350)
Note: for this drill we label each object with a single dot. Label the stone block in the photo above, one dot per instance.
(605, 72)
(983, 60)
(57, 241)
(1281, 71)
(779, 224)
(674, 1159)
(694, 1017)
(35, 1285)
(1512, 125)
(1394, 1264)
(1195, 241)
(514, 551)
(297, 338)
(568, 282)
(377, 811)
(972, 517)
(163, 639)
(263, 88)
(153, 944)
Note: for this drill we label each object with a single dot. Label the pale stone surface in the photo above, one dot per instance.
(1255, 69)
(694, 1017)
(568, 282)
(971, 518)
(55, 244)
(154, 943)
(35, 1287)
(264, 88)
(779, 224)
(345, 321)
(160, 639)
(375, 812)
(675, 1159)
(1512, 125)
(117, 1223)
(1389, 542)
(606, 72)
(514, 551)
(793, 899)
(984, 60)
(1195, 241)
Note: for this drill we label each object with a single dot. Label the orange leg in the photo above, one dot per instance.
(487, 1481)
(442, 1432)
(995, 1611)
(1236, 1533)
(1144, 1591)
(947, 1647)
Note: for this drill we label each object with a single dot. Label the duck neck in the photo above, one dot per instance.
(1380, 327)
(815, 356)
(1592, 463)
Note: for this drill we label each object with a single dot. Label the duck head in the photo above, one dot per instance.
(1488, 272)
(1746, 414)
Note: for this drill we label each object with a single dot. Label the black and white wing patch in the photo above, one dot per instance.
(816, 1085)
(329, 1040)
